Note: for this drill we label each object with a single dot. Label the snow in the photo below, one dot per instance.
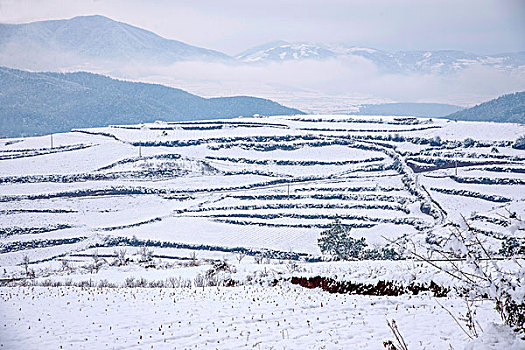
(266, 184)
(225, 318)
(496, 337)
(210, 202)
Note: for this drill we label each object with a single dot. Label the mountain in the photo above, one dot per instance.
(283, 51)
(441, 62)
(504, 109)
(102, 44)
(434, 110)
(93, 40)
(39, 103)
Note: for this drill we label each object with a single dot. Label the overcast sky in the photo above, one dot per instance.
(231, 26)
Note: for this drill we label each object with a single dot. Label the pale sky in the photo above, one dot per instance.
(231, 26)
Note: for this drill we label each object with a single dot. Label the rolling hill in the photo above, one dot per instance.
(40, 103)
(261, 184)
(504, 109)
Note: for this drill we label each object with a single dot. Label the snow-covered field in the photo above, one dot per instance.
(255, 192)
(224, 318)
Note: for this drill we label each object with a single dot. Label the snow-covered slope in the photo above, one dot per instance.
(507, 108)
(99, 43)
(283, 51)
(91, 39)
(441, 62)
(227, 318)
(191, 234)
(260, 183)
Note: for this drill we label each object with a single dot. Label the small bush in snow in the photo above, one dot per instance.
(240, 256)
(193, 258)
(468, 142)
(436, 141)
(106, 284)
(129, 282)
(173, 282)
(120, 257)
(519, 143)
(511, 247)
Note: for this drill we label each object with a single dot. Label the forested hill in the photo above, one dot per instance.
(41, 103)
(505, 109)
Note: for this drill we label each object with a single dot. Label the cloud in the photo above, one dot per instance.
(344, 81)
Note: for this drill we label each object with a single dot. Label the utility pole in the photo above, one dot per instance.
(141, 130)
(51, 140)
(288, 191)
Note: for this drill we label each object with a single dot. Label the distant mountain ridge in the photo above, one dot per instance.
(504, 109)
(98, 42)
(40, 103)
(443, 61)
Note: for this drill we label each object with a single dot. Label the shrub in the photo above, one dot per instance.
(468, 142)
(337, 243)
(146, 255)
(519, 143)
(482, 276)
(512, 247)
(436, 141)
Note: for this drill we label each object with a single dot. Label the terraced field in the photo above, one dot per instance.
(255, 185)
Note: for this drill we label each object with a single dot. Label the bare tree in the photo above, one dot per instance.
(95, 257)
(259, 258)
(120, 257)
(239, 256)
(193, 258)
(467, 260)
(146, 255)
(25, 263)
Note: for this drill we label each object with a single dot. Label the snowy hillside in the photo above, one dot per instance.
(96, 40)
(260, 183)
(205, 233)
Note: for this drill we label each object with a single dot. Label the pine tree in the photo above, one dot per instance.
(337, 242)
